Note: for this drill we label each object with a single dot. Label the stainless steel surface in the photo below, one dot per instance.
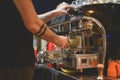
(80, 61)
(80, 31)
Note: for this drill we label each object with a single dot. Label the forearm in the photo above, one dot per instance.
(48, 15)
(59, 11)
(37, 26)
(50, 36)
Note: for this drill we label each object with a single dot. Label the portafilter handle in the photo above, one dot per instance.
(100, 68)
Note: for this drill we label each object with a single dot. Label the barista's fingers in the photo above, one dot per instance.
(62, 42)
(68, 45)
(69, 41)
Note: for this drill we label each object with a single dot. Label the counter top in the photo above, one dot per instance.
(71, 76)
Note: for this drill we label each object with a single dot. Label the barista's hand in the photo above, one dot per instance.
(62, 42)
(62, 8)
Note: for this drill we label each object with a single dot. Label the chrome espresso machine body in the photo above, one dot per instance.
(87, 38)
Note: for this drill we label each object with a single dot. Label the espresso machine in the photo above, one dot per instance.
(87, 42)
(87, 38)
(93, 31)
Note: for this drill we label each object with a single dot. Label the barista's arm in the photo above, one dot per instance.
(49, 15)
(55, 13)
(36, 25)
(31, 20)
